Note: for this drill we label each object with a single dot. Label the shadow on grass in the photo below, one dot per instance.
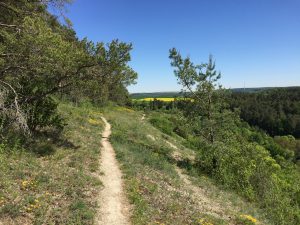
(185, 164)
(45, 143)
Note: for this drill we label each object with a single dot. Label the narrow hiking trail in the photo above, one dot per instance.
(114, 207)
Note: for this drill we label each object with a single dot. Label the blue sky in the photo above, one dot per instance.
(254, 42)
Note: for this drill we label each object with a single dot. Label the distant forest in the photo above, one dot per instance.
(274, 110)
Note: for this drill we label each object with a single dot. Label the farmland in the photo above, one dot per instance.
(159, 99)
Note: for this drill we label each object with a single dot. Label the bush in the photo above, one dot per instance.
(162, 124)
(43, 113)
(250, 169)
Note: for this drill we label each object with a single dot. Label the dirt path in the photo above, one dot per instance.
(114, 207)
(205, 203)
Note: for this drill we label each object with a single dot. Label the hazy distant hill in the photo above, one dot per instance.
(178, 94)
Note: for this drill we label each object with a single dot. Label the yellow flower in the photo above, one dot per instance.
(94, 122)
(249, 218)
(25, 183)
(202, 221)
(2, 201)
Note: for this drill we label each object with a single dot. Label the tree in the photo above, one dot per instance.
(206, 109)
(111, 74)
(40, 57)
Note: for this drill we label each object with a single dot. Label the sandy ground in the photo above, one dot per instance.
(113, 206)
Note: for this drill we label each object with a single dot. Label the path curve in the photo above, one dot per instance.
(114, 206)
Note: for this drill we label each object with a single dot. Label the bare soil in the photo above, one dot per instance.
(114, 207)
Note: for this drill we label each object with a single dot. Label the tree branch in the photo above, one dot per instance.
(21, 121)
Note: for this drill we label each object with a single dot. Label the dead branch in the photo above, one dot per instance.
(19, 116)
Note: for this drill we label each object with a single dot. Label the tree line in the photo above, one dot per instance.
(41, 58)
(276, 111)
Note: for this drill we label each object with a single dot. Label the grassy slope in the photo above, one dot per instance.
(58, 187)
(154, 187)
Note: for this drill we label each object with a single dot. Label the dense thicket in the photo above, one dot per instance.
(41, 58)
(276, 111)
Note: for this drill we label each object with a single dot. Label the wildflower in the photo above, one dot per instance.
(202, 221)
(2, 201)
(33, 205)
(26, 184)
(249, 218)
(93, 122)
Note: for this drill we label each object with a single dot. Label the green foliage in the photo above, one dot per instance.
(245, 164)
(276, 111)
(43, 113)
(110, 75)
(237, 156)
(207, 107)
(40, 58)
(163, 124)
(289, 143)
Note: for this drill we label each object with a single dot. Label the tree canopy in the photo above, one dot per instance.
(40, 58)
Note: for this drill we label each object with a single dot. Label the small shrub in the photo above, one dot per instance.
(162, 124)
(10, 209)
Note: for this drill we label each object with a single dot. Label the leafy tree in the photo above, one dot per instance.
(206, 110)
(111, 73)
(39, 58)
(276, 111)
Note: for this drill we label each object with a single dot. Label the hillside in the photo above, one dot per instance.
(158, 180)
(64, 179)
(54, 181)
(76, 148)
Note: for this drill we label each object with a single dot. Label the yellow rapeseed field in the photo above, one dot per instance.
(160, 99)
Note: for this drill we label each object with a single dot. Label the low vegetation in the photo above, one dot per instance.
(53, 181)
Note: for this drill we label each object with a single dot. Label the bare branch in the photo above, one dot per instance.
(19, 115)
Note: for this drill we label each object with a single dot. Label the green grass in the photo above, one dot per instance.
(54, 180)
